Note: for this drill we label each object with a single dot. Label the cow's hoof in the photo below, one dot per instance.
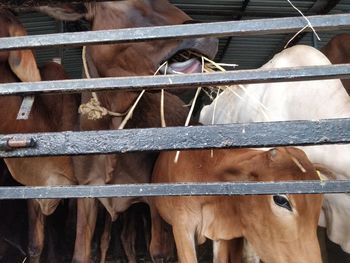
(161, 259)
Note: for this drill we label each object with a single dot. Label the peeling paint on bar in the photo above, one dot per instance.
(178, 81)
(268, 134)
(216, 29)
(183, 189)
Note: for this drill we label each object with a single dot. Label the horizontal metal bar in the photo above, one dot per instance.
(178, 189)
(178, 81)
(267, 134)
(216, 29)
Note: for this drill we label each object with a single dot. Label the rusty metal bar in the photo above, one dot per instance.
(16, 143)
(177, 189)
(178, 81)
(217, 29)
(268, 134)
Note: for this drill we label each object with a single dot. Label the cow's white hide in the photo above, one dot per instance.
(302, 100)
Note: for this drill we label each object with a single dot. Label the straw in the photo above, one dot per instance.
(209, 66)
(191, 111)
(301, 30)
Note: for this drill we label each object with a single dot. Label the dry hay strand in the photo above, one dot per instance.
(208, 66)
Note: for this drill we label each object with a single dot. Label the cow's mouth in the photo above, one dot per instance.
(186, 57)
(184, 62)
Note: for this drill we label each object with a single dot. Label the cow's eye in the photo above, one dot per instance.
(282, 201)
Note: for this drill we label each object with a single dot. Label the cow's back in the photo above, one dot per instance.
(284, 100)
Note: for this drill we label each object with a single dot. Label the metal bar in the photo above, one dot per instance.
(340, 71)
(314, 41)
(217, 29)
(177, 189)
(267, 134)
(25, 108)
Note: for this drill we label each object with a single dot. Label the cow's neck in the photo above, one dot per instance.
(216, 227)
(104, 16)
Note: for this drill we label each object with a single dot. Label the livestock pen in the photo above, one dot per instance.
(291, 133)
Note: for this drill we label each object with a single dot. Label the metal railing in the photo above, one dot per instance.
(177, 138)
(216, 29)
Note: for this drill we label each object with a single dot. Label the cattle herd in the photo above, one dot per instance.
(278, 228)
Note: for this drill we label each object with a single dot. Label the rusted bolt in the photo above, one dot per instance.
(15, 143)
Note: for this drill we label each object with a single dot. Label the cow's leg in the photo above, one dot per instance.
(322, 237)
(128, 237)
(249, 255)
(105, 238)
(162, 241)
(221, 251)
(185, 244)
(236, 250)
(228, 251)
(147, 234)
(36, 222)
(86, 222)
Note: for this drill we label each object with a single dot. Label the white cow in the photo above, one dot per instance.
(304, 100)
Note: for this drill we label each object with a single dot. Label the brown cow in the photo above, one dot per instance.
(337, 50)
(121, 169)
(282, 228)
(49, 113)
(126, 60)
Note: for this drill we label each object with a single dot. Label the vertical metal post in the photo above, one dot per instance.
(61, 49)
(314, 41)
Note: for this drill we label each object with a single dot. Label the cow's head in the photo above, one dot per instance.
(282, 228)
(21, 62)
(136, 58)
(142, 58)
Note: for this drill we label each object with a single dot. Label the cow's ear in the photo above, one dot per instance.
(22, 62)
(65, 12)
